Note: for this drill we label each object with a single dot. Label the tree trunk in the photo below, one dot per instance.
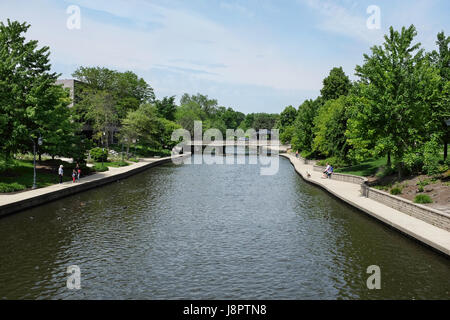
(400, 170)
(445, 149)
(389, 162)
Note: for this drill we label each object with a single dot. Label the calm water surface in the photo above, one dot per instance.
(211, 232)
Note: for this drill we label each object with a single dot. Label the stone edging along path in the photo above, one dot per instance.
(17, 202)
(432, 216)
(350, 192)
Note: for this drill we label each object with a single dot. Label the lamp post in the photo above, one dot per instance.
(103, 140)
(134, 142)
(34, 160)
(447, 122)
(126, 141)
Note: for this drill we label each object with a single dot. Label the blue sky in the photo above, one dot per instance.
(253, 55)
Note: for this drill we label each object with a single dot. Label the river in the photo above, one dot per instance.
(211, 232)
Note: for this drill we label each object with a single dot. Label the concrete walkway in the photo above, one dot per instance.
(428, 234)
(10, 203)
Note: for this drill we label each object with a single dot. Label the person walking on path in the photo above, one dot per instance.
(78, 170)
(296, 154)
(60, 174)
(74, 175)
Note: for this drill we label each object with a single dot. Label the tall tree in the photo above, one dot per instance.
(303, 135)
(287, 117)
(399, 84)
(102, 114)
(441, 59)
(126, 89)
(31, 105)
(167, 108)
(209, 106)
(335, 85)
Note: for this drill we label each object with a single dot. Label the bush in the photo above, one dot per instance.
(396, 191)
(421, 189)
(423, 198)
(424, 183)
(99, 154)
(99, 168)
(413, 163)
(11, 187)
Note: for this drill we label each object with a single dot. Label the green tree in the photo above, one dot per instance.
(335, 85)
(247, 123)
(187, 113)
(208, 106)
(167, 108)
(31, 105)
(441, 112)
(265, 121)
(288, 116)
(399, 83)
(303, 136)
(102, 115)
(126, 89)
(330, 128)
(144, 124)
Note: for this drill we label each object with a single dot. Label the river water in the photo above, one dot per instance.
(211, 232)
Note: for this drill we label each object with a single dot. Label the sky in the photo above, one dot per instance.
(251, 55)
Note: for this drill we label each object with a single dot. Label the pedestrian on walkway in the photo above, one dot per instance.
(325, 173)
(296, 154)
(78, 170)
(60, 174)
(74, 175)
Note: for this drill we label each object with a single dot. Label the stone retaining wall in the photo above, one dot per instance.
(424, 213)
(342, 177)
(77, 188)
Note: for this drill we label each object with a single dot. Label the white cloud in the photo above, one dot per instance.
(345, 20)
(182, 36)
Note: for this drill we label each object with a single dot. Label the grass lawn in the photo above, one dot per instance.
(365, 169)
(117, 164)
(22, 174)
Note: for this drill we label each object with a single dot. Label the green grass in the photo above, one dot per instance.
(19, 176)
(396, 191)
(423, 198)
(117, 164)
(365, 169)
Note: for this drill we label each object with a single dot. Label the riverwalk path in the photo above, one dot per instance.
(350, 193)
(10, 203)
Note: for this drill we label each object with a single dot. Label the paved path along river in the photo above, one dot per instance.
(211, 232)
